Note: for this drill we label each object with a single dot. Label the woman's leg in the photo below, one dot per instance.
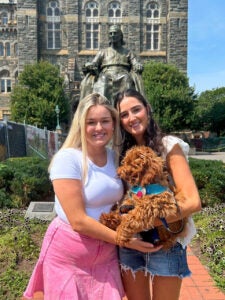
(166, 287)
(136, 287)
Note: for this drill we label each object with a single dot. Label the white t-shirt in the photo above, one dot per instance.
(102, 187)
(169, 142)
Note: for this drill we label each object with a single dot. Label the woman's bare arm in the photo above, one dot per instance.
(184, 183)
(69, 193)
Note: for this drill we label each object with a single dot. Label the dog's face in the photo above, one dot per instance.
(140, 166)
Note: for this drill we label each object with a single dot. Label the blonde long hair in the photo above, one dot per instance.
(76, 137)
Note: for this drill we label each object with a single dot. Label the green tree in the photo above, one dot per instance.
(34, 98)
(210, 111)
(168, 91)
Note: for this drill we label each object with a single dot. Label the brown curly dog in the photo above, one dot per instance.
(149, 197)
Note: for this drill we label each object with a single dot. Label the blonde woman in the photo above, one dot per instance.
(78, 259)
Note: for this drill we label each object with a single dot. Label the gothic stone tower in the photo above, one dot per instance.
(69, 33)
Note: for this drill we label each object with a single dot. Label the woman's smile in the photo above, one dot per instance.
(134, 117)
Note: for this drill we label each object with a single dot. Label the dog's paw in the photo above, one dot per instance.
(121, 240)
(110, 220)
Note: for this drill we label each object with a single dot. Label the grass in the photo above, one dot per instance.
(20, 242)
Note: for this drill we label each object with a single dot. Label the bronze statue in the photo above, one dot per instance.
(113, 69)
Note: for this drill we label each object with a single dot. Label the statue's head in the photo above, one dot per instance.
(115, 34)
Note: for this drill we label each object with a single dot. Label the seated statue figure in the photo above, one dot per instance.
(113, 69)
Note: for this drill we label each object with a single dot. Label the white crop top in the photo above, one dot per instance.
(102, 187)
(169, 142)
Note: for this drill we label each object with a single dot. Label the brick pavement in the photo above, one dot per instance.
(199, 286)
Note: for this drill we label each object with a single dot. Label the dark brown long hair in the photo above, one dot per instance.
(153, 134)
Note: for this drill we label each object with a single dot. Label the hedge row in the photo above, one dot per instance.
(23, 180)
(26, 179)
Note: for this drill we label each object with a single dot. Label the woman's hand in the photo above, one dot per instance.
(138, 244)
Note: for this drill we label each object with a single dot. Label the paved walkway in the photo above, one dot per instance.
(199, 286)
(211, 156)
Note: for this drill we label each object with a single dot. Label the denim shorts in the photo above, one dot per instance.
(172, 262)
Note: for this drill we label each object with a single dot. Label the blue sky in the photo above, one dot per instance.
(206, 44)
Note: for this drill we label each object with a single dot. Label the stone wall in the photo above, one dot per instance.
(32, 46)
(27, 32)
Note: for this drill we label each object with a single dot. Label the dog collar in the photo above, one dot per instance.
(150, 189)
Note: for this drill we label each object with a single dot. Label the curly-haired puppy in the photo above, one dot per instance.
(149, 197)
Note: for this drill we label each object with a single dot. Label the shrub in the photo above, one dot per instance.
(5, 199)
(24, 179)
(6, 175)
(210, 179)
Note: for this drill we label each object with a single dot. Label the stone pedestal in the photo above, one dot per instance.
(41, 210)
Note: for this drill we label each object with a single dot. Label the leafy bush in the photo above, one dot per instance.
(210, 179)
(24, 179)
(5, 199)
(6, 175)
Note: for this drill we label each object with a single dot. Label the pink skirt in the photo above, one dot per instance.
(72, 266)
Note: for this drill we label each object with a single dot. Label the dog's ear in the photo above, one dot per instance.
(140, 166)
(152, 165)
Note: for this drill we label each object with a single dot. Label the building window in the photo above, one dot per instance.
(152, 26)
(27, 20)
(16, 77)
(92, 36)
(5, 86)
(92, 25)
(53, 26)
(1, 49)
(114, 12)
(152, 37)
(4, 18)
(7, 49)
(5, 82)
(16, 50)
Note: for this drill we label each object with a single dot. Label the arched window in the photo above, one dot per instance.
(152, 26)
(4, 18)
(92, 25)
(5, 81)
(53, 26)
(152, 11)
(91, 10)
(114, 12)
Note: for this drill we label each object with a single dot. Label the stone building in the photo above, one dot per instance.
(69, 33)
